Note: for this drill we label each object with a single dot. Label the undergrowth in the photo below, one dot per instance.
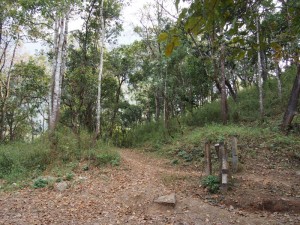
(205, 120)
(21, 162)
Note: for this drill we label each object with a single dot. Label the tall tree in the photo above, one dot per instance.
(59, 60)
(101, 45)
(259, 69)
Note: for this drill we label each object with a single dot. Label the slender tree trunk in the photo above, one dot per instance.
(1, 28)
(259, 72)
(116, 108)
(279, 84)
(291, 109)
(264, 72)
(157, 106)
(6, 94)
(54, 65)
(101, 43)
(64, 58)
(165, 103)
(57, 78)
(60, 40)
(224, 108)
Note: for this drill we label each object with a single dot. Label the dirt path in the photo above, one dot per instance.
(123, 195)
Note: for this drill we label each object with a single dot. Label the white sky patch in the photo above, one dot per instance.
(131, 15)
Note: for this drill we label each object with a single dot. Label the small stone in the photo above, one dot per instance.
(80, 178)
(166, 199)
(62, 186)
(231, 208)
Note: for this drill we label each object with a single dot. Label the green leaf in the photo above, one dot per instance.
(176, 41)
(194, 25)
(241, 55)
(169, 48)
(162, 37)
(276, 46)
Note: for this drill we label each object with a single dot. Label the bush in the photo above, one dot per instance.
(69, 176)
(106, 158)
(212, 183)
(209, 113)
(40, 183)
(6, 165)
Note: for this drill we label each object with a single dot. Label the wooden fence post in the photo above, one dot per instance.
(234, 154)
(217, 150)
(208, 169)
(223, 154)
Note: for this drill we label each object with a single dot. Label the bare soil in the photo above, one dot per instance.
(265, 194)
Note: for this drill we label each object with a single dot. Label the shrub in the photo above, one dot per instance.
(6, 165)
(40, 183)
(69, 176)
(105, 158)
(209, 113)
(212, 183)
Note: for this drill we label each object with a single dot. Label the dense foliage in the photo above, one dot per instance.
(210, 62)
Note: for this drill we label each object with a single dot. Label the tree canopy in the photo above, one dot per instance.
(209, 50)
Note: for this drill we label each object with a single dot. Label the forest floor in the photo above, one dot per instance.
(261, 194)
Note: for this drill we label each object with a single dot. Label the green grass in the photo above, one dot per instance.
(244, 119)
(21, 162)
(212, 183)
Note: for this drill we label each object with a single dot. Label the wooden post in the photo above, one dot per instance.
(234, 154)
(208, 169)
(217, 150)
(223, 151)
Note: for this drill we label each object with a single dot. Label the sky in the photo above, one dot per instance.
(130, 17)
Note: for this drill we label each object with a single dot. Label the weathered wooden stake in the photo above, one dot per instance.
(223, 154)
(208, 169)
(234, 154)
(217, 150)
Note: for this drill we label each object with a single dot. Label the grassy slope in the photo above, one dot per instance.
(21, 162)
(191, 130)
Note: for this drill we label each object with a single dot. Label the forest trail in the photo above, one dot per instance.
(124, 195)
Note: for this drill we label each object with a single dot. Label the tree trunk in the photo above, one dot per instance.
(231, 90)
(116, 108)
(57, 77)
(157, 106)
(259, 72)
(1, 27)
(101, 44)
(224, 108)
(165, 103)
(54, 65)
(291, 109)
(279, 84)
(59, 60)
(264, 72)
(64, 57)
(7, 93)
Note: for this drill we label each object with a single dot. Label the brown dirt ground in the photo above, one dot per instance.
(125, 194)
